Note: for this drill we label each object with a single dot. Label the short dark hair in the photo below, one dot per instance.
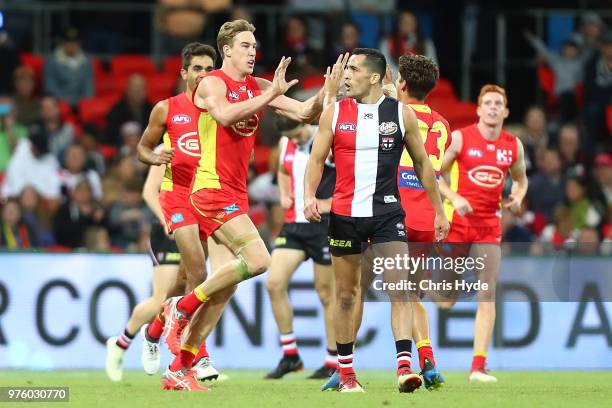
(374, 60)
(197, 49)
(285, 124)
(420, 73)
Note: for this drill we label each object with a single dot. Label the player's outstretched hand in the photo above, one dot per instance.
(441, 227)
(311, 212)
(164, 157)
(513, 204)
(279, 83)
(462, 206)
(333, 76)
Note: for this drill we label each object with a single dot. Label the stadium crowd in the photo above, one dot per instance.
(71, 181)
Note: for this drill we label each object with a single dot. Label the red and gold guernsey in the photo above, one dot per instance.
(436, 136)
(182, 136)
(226, 151)
(478, 175)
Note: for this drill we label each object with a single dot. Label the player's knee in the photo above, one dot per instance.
(258, 264)
(347, 298)
(275, 287)
(325, 293)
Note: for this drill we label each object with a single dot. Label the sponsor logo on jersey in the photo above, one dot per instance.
(242, 88)
(189, 143)
(490, 147)
(504, 156)
(233, 95)
(368, 115)
(181, 119)
(246, 127)
(486, 176)
(231, 208)
(176, 218)
(341, 243)
(347, 127)
(473, 152)
(387, 128)
(409, 179)
(389, 199)
(387, 143)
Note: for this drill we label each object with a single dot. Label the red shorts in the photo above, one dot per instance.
(213, 208)
(474, 234)
(420, 242)
(176, 209)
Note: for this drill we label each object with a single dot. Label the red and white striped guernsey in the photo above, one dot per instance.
(293, 158)
(367, 146)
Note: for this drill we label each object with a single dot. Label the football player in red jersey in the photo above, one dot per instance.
(477, 162)
(232, 102)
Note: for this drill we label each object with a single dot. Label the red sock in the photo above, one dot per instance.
(202, 352)
(478, 362)
(184, 359)
(189, 303)
(155, 329)
(425, 352)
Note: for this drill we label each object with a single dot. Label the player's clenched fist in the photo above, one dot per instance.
(163, 157)
(311, 211)
(441, 226)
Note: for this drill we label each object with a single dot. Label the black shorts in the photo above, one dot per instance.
(308, 237)
(350, 235)
(163, 249)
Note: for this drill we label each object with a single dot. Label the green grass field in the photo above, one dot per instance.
(247, 389)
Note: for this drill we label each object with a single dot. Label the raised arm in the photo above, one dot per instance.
(152, 136)
(519, 180)
(424, 170)
(211, 95)
(314, 168)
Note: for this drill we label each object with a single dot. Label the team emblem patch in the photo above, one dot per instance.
(387, 142)
(189, 143)
(176, 218)
(181, 119)
(231, 208)
(387, 128)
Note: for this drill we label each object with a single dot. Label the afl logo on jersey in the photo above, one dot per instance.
(486, 176)
(473, 152)
(387, 128)
(233, 95)
(347, 127)
(189, 144)
(181, 119)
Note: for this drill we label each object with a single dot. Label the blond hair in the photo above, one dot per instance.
(492, 88)
(229, 30)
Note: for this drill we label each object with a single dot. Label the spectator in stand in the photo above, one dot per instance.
(97, 239)
(603, 181)
(304, 59)
(534, 135)
(588, 241)
(130, 134)
(11, 132)
(27, 102)
(568, 68)
(33, 165)
(583, 212)
(348, 41)
(547, 187)
(591, 29)
(572, 157)
(9, 55)
(129, 215)
(36, 216)
(407, 39)
(95, 159)
(561, 234)
(125, 169)
(69, 72)
(77, 214)
(598, 94)
(133, 107)
(61, 134)
(14, 233)
(75, 170)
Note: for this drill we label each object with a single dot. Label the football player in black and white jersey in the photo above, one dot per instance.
(368, 132)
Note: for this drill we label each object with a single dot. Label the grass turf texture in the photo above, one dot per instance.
(248, 389)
